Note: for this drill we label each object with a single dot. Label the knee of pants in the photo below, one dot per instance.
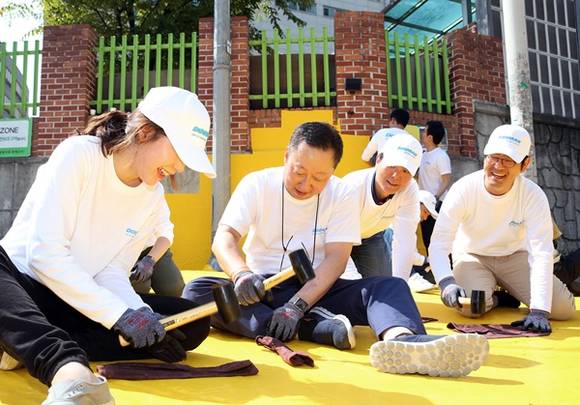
(200, 290)
(196, 333)
(563, 309)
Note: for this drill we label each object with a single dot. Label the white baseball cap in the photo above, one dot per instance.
(185, 121)
(509, 140)
(402, 150)
(429, 201)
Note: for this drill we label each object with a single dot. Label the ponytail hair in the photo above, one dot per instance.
(118, 130)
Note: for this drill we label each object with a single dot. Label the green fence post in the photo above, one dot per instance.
(428, 75)
(3, 69)
(437, 76)
(418, 76)
(146, 63)
(13, 78)
(36, 77)
(408, 72)
(313, 76)
(100, 68)
(398, 72)
(325, 61)
(111, 71)
(158, 43)
(170, 59)
(264, 70)
(289, 90)
(24, 101)
(182, 60)
(123, 72)
(276, 70)
(301, 65)
(134, 71)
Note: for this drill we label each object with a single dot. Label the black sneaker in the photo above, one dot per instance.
(506, 300)
(322, 326)
(438, 356)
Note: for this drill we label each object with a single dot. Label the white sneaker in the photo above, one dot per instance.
(80, 392)
(418, 284)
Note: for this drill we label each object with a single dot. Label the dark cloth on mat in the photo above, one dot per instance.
(494, 331)
(291, 357)
(426, 319)
(164, 371)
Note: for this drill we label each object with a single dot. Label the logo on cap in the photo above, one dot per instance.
(510, 139)
(408, 151)
(200, 133)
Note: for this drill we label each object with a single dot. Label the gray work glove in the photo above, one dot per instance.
(536, 320)
(143, 270)
(249, 287)
(284, 323)
(140, 327)
(450, 292)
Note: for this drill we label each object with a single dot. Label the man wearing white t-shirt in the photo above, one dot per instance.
(302, 205)
(388, 196)
(499, 227)
(398, 121)
(435, 169)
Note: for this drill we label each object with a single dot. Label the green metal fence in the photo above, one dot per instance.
(126, 71)
(275, 81)
(418, 73)
(18, 67)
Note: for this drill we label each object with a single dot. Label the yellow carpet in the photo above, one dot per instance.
(518, 371)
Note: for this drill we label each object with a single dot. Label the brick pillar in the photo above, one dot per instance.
(359, 40)
(67, 84)
(476, 71)
(240, 78)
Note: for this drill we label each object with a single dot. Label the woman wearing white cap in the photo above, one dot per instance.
(499, 226)
(388, 197)
(65, 262)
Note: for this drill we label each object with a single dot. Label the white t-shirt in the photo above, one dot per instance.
(434, 164)
(255, 209)
(401, 213)
(163, 226)
(80, 230)
(474, 221)
(378, 139)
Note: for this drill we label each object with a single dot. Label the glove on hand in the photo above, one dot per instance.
(536, 320)
(143, 270)
(249, 287)
(450, 292)
(284, 323)
(170, 349)
(140, 327)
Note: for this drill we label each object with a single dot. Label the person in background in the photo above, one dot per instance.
(398, 120)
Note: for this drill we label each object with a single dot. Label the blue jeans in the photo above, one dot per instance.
(370, 257)
(379, 302)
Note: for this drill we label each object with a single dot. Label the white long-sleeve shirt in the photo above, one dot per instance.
(401, 212)
(474, 221)
(80, 230)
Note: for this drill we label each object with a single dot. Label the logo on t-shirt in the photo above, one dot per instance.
(320, 230)
(131, 232)
(516, 223)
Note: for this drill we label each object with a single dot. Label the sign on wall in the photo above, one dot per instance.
(15, 137)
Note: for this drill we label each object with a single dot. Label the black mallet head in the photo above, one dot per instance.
(301, 265)
(226, 301)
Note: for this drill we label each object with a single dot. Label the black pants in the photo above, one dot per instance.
(44, 332)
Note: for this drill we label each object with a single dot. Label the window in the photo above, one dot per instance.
(329, 11)
(292, 5)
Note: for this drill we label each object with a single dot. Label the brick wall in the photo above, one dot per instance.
(476, 71)
(240, 84)
(66, 86)
(360, 52)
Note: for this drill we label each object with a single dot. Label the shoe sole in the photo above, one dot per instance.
(450, 356)
(323, 312)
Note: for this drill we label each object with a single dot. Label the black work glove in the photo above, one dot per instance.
(536, 320)
(249, 287)
(284, 323)
(450, 292)
(140, 327)
(143, 270)
(170, 349)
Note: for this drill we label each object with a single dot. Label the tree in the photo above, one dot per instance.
(114, 17)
